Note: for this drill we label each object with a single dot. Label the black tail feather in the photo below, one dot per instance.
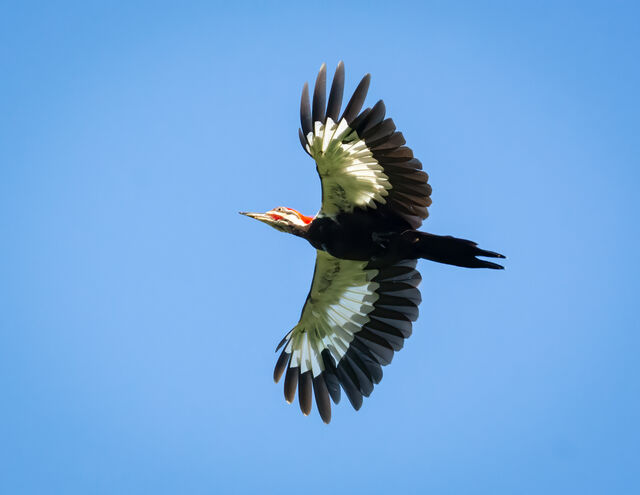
(451, 250)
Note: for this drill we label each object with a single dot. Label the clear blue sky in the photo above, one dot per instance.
(139, 312)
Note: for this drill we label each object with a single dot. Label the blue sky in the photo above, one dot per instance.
(139, 312)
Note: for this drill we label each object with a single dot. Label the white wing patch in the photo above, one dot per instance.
(351, 176)
(342, 296)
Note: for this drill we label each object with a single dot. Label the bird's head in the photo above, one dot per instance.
(283, 219)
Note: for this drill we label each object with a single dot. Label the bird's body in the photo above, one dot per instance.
(364, 294)
(359, 235)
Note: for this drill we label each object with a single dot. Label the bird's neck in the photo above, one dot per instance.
(297, 230)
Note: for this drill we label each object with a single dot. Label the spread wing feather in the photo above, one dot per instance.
(361, 159)
(356, 315)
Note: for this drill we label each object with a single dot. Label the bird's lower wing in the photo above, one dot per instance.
(356, 315)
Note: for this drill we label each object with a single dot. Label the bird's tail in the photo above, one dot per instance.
(450, 250)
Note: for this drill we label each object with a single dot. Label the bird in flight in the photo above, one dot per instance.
(364, 294)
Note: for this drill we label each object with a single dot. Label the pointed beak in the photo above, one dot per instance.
(258, 216)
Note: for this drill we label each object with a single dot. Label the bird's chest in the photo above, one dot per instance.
(345, 239)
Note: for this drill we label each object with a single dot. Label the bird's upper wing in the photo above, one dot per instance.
(356, 315)
(361, 159)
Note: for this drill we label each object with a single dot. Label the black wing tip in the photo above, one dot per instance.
(356, 102)
(336, 93)
(305, 90)
(305, 110)
(321, 393)
(305, 390)
(366, 82)
(339, 72)
(291, 383)
(319, 95)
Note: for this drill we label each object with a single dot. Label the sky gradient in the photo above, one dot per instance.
(139, 312)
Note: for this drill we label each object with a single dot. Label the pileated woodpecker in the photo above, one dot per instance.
(364, 295)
